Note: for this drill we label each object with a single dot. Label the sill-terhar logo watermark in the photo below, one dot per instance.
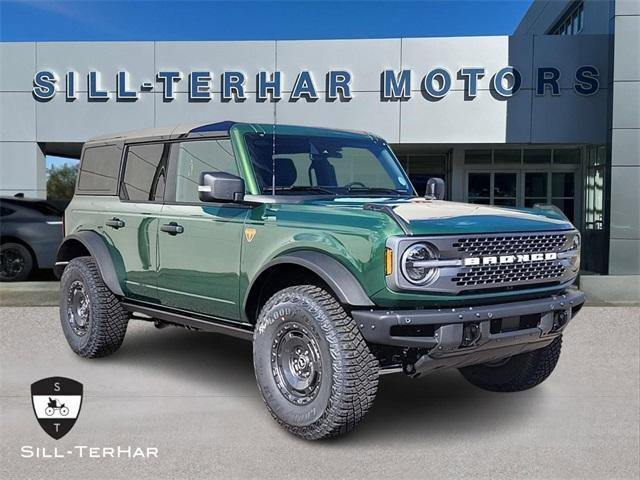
(56, 404)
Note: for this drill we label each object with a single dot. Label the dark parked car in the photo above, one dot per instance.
(30, 233)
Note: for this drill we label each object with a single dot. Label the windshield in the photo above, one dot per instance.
(318, 165)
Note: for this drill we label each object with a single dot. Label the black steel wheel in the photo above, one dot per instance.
(296, 363)
(78, 308)
(314, 369)
(16, 262)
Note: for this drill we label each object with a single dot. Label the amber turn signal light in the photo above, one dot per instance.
(388, 261)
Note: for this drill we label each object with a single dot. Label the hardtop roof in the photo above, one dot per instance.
(205, 129)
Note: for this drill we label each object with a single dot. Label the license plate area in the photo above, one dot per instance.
(513, 324)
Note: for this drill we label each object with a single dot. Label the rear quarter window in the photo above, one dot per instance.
(99, 170)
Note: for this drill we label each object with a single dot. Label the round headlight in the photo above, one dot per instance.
(411, 258)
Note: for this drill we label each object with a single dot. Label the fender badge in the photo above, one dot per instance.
(249, 233)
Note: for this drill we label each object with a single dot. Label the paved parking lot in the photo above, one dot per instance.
(193, 396)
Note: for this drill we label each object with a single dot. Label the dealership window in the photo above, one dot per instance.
(571, 22)
(421, 167)
(145, 173)
(493, 188)
(195, 157)
(595, 235)
(524, 177)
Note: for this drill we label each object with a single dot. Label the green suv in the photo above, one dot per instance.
(313, 244)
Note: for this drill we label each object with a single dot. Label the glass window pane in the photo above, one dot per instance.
(145, 173)
(537, 155)
(562, 185)
(479, 185)
(535, 185)
(506, 156)
(196, 157)
(601, 157)
(504, 185)
(567, 156)
(505, 202)
(99, 170)
(530, 202)
(477, 156)
(566, 205)
(482, 201)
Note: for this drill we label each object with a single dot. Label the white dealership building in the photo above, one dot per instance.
(549, 114)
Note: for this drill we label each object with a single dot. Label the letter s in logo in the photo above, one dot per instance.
(44, 87)
(587, 80)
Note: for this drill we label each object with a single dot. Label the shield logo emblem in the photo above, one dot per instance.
(56, 403)
(249, 233)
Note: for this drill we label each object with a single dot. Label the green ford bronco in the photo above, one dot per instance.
(313, 244)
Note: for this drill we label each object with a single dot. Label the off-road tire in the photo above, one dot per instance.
(520, 372)
(349, 372)
(21, 254)
(107, 319)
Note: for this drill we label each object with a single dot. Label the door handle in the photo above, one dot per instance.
(172, 228)
(114, 223)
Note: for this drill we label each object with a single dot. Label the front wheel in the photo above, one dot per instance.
(316, 373)
(517, 373)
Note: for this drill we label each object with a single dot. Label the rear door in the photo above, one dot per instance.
(132, 225)
(199, 243)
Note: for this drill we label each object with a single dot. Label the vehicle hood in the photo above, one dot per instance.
(421, 216)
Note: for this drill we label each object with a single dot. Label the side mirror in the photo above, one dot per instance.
(220, 187)
(435, 188)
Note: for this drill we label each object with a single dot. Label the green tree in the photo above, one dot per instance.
(61, 182)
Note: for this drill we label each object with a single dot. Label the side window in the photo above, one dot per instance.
(199, 156)
(99, 170)
(6, 211)
(145, 173)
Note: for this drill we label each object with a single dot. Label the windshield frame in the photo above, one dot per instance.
(316, 190)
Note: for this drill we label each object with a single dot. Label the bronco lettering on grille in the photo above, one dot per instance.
(502, 259)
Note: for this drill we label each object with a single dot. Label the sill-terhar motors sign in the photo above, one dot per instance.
(336, 85)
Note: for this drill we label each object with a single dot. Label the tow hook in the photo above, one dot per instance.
(470, 334)
(559, 320)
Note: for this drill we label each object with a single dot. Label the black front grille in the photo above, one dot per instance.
(509, 273)
(510, 244)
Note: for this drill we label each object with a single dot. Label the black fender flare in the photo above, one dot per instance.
(343, 283)
(97, 248)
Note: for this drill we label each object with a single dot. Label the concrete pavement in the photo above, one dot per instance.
(193, 396)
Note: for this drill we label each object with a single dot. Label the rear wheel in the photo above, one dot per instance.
(517, 373)
(93, 321)
(16, 262)
(314, 369)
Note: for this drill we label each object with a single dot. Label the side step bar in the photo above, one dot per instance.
(198, 322)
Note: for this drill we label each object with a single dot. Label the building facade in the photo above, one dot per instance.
(547, 115)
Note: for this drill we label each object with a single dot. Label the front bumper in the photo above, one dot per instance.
(455, 337)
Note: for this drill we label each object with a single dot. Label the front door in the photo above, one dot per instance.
(199, 243)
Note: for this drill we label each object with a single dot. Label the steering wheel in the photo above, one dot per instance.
(353, 184)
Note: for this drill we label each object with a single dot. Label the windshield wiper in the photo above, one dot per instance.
(300, 188)
(378, 190)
